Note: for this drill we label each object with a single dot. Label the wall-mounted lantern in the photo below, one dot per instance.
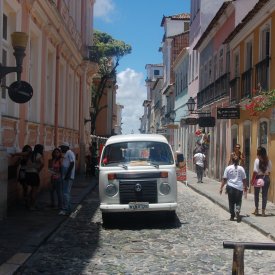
(19, 91)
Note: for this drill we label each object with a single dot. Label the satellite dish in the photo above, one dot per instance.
(20, 91)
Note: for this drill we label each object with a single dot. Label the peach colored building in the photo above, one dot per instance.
(57, 67)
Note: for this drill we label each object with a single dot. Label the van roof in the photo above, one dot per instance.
(136, 137)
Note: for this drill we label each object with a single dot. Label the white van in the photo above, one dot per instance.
(137, 172)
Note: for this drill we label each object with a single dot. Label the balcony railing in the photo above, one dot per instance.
(221, 86)
(235, 90)
(214, 91)
(262, 74)
(247, 83)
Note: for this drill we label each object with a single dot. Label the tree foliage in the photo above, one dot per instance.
(106, 51)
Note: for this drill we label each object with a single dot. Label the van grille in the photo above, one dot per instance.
(128, 192)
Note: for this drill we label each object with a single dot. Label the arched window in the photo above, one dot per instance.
(263, 133)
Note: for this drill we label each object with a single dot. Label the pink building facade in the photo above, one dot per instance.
(57, 67)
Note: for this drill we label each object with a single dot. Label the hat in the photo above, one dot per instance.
(65, 144)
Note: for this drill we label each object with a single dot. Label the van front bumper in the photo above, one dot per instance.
(172, 206)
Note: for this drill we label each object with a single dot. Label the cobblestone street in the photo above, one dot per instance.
(191, 244)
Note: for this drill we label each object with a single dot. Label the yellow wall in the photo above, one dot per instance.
(264, 115)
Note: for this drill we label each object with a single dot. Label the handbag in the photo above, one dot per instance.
(258, 182)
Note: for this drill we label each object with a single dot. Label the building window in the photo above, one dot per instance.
(221, 63)
(156, 72)
(5, 27)
(263, 133)
(248, 63)
(236, 65)
(4, 63)
(265, 42)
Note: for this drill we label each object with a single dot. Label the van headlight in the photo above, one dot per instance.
(110, 190)
(164, 188)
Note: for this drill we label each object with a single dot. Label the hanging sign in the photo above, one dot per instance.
(191, 121)
(20, 91)
(228, 113)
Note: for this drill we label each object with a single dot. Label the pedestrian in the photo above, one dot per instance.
(199, 159)
(262, 170)
(237, 152)
(35, 164)
(26, 150)
(198, 148)
(68, 174)
(235, 178)
(56, 180)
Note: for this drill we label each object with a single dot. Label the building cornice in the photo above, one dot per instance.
(257, 15)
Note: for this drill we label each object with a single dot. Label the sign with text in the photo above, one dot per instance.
(228, 113)
(191, 121)
(207, 121)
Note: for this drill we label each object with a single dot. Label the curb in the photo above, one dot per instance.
(245, 219)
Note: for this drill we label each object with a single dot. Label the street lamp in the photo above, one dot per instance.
(19, 42)
(19, 91)
(191, 106)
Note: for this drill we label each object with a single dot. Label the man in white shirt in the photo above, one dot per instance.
(68, 173)
(235, 178)
(199, 159)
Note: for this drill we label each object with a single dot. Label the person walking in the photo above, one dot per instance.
(262, 169)
(199, 159)
(237, 152)
(56, 180)
(68, 174)
(235, 178)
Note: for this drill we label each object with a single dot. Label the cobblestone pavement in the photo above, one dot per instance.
(150, 244)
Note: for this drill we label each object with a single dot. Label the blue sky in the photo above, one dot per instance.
(136, 22)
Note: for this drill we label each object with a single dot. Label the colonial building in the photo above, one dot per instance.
(252, 51)
(56, 66)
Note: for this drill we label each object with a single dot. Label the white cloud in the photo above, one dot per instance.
(131, 93)
(103, 9)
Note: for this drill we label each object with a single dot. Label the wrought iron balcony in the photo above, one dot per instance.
(235, 90)
(262, 74)
(246, 85)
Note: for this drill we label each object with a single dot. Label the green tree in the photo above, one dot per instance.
(106, 51)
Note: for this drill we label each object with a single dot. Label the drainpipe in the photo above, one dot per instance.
(57, 81)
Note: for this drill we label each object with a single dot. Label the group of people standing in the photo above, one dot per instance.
(235, 179)
(61, 167)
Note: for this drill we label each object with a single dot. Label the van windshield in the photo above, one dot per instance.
(137, 152)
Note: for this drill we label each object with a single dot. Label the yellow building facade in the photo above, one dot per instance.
(252, 51)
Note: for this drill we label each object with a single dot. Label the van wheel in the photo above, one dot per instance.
(106, 218)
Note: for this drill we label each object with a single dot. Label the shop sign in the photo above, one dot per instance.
(208, 121)
(20, 91)
(191, 121)
(228, 113)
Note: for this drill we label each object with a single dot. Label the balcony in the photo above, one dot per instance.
(262, 74)
(221, 86)
(214, 91)
(247, 83)
(235, 90)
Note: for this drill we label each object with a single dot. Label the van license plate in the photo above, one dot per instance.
(138, 205)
